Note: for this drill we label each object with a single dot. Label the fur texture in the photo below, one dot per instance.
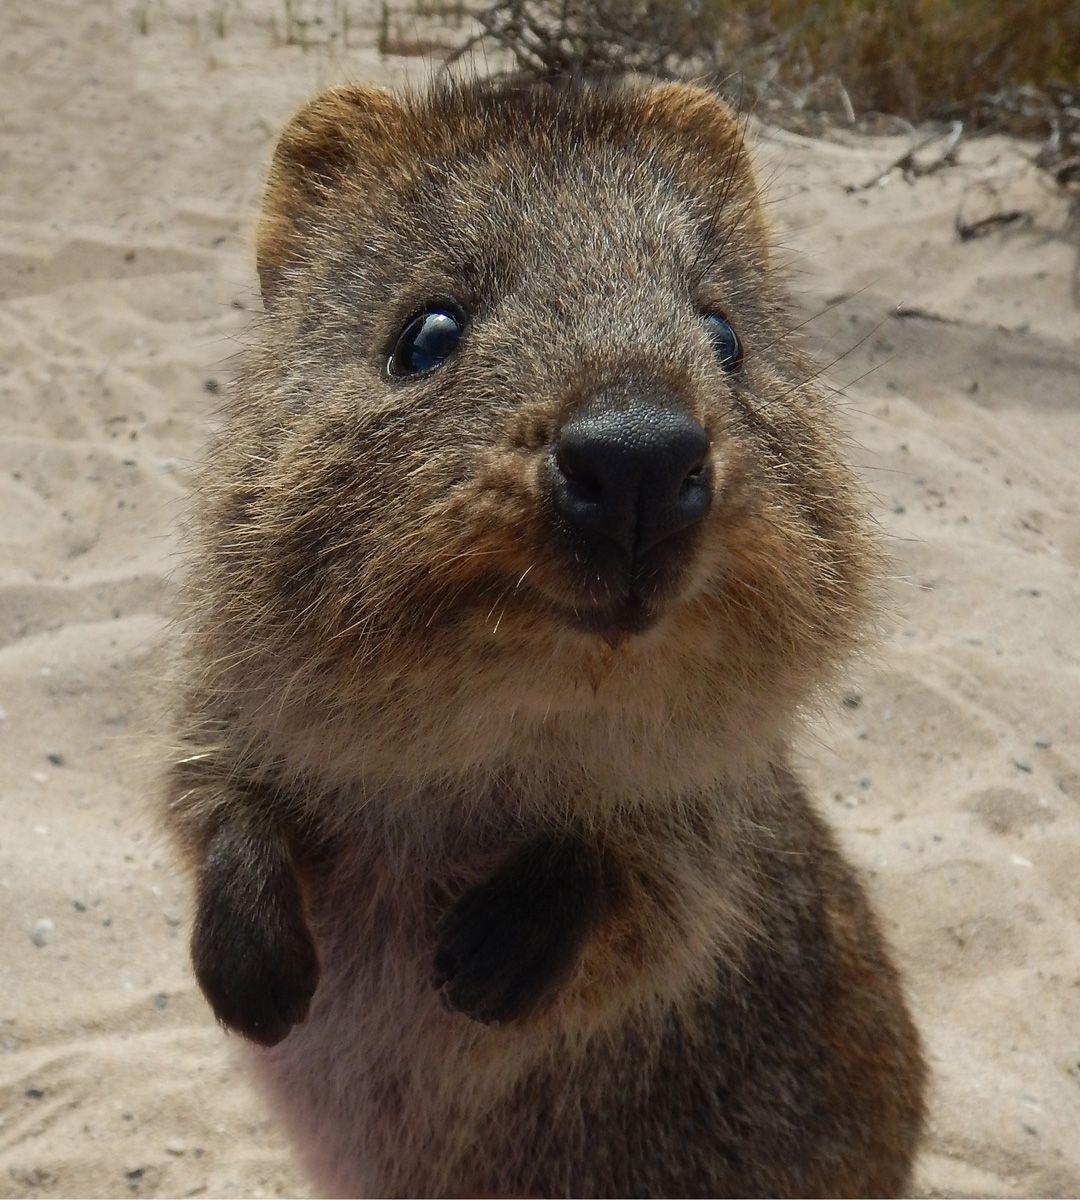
(577, 929)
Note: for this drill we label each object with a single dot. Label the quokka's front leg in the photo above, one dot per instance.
(253, 953)
(509, 944)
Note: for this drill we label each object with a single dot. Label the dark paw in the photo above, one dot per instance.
(508, 945)
(252, 952)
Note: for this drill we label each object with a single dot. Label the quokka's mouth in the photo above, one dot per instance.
(616, 607)
(614, 623)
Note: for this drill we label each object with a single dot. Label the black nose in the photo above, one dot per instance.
(634, 475)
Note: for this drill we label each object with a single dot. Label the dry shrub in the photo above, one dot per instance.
(909, 58)
(923, 58)
(552, 38)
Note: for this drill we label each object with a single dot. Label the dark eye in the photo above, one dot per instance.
(426, 342)
(725, 341)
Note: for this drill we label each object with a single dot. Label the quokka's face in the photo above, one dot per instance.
(526, 392)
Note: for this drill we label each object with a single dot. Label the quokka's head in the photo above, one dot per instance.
(525, 439)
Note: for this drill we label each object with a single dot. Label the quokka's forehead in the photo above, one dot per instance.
(541, 115)
(630, 134)
(558, 159)
(578, 199)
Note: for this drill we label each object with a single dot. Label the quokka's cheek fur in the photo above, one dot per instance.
(482, 768)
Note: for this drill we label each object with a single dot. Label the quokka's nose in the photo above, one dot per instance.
(633, 475)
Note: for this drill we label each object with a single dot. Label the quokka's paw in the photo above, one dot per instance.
(509, 944)
(251, 948)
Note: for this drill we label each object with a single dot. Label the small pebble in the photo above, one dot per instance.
(39, 777)
(1022, 765)
(175, 1147)
(42, 929)
(1020, 861)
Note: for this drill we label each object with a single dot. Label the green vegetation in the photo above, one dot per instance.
(913, 58)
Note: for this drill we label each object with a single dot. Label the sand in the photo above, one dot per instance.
(131, 165)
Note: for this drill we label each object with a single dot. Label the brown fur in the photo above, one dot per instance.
(389, 702)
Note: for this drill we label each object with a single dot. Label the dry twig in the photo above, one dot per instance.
(911, 166)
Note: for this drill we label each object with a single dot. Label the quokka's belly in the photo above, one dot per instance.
(783, 1079)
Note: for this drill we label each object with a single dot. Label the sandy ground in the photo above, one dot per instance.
(131, 165)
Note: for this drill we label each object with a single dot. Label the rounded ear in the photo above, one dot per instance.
(342, 129)
(694, 112)
(697, 116)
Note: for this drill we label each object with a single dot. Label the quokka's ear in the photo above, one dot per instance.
(342, 129)
(699, 117)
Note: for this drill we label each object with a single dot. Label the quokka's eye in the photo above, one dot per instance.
(729, 351)
(426, 342)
